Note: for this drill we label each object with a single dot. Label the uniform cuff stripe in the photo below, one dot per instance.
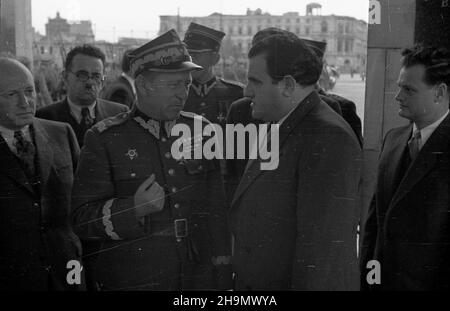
(109, 229)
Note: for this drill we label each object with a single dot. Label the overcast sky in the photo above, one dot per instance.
(140, 18)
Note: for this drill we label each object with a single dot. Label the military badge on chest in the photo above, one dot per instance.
(132, 154)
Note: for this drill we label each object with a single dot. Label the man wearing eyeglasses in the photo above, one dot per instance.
(83, 78)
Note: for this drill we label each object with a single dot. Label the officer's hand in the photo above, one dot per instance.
(149, 198)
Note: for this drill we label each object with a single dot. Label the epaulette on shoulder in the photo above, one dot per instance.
(111, 122)
(192, 115)
(232, 83)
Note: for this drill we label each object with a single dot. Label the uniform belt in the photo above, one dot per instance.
(178, 229)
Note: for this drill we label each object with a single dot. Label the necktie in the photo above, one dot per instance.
(25, 151)
(86, 119)
(413, 145)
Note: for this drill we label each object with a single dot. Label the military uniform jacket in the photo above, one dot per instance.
(213, 99)
(119, 155)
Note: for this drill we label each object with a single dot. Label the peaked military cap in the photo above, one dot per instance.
(199, 38)
(166, 53)
(319, 47)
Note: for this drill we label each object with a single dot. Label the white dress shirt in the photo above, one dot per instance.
(428, 130)
(75, 110)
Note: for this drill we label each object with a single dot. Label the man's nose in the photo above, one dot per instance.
(397, 96)
(24, 101)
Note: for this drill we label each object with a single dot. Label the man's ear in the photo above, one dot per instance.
(442, 90)
(288, 85)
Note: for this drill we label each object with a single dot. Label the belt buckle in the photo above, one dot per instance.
(181, 228)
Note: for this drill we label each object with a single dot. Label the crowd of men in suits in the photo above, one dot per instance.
(137, 218)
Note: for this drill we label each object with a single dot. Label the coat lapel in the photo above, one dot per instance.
(425, 161)
(253, 170)
(393, 163)
(44, 150)
(65, 115)
(10, 166)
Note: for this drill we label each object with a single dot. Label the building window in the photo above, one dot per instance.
(42, 50)
(249, 30)
(230, 30)
(349, 46)
(339, 46)
(240, 46)
(259, 27)
(307, 31)
(240, 30)
(347, 28)
(298, 20)
(297, 30)
(288, 20)
(324, 27)
(340, 28)
(51, 50)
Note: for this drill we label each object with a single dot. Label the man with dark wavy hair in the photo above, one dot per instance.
(294, 227)
(407, 230)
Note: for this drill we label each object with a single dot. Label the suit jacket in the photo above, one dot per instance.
(408, 223)
(348, 109)
(60, 111)
(36, 239)
(119, 91)
(295, 227)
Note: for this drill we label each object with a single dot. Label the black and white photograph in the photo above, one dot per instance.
(238, 147)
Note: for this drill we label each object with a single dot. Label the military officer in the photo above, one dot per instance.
(160, 221)
(209, 95)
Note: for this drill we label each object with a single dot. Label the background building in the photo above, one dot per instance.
(346, 37)
(15, 29)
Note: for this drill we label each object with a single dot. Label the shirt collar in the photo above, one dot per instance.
(75, 110)
(426, 132)
(8, 135)
(154, 126)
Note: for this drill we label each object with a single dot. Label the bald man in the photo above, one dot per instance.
(37, 158)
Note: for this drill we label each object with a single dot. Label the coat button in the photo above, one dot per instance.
(133, 175)
(168, 155)
(36, 204)
(177, 205)
(174, 189)
(163, 139)
(203, 104)
(171, 172)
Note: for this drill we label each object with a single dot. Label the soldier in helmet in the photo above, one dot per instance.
(209, 95)
(160, 221)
